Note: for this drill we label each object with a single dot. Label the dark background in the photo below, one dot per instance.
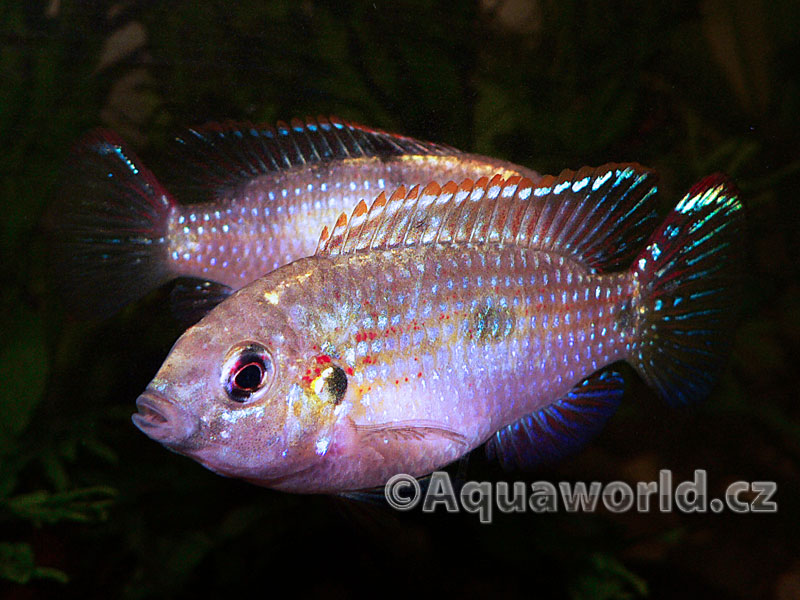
(91, 508)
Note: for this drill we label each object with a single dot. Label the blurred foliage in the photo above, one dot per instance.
(17, 565)
(606, 579)
(686, 87)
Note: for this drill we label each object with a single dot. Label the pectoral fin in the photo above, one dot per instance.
(404, 431)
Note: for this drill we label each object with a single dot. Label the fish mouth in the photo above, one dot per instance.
(161, 420)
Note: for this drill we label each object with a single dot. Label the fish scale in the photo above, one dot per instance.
(398, 379)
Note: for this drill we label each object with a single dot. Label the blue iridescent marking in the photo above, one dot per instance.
(600, 181)
(579, 185)
(561, 187)
(542, 191)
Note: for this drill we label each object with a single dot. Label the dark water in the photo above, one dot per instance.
(687, 88)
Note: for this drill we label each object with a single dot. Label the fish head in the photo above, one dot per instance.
(245, 393)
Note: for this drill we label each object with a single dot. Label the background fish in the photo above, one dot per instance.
(118, 233)
(443, 318)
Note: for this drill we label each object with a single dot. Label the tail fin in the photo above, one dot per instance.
(109, 228)
(689, 285)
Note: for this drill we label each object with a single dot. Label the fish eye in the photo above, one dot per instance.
(249, 377)
(247, 370)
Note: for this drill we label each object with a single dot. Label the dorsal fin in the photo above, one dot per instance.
(225, 155)
(354, 227)
(323, 238)
(599, 216)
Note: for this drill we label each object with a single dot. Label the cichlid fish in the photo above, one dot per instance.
(445, 317)
(266, 194)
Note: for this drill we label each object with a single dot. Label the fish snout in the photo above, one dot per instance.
(162, 420)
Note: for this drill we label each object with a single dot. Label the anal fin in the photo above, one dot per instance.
(377, 495)
(560, 428)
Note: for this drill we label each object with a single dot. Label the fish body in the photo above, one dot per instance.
(268, 192)
(442, 318)
(276, 219)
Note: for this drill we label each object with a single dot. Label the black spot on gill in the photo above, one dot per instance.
(334, 385)
(338, 384)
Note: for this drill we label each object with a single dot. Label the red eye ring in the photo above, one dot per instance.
(248, 377)
(247, 371)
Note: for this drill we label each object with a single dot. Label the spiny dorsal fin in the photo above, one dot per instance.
(224, 155)
(599, 216)
(339, 232)
(323, 238)
(354, 228)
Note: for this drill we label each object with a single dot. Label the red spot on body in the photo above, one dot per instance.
(419, 374)
(349, 370)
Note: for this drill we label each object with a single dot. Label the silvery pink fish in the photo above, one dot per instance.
(266, 194)
(445, 317)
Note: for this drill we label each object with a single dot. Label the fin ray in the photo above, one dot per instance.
(598, 216)
(109, 242)
(228, 154)
(192, 299)
(411, 430)
(560, 428)
(688, 276)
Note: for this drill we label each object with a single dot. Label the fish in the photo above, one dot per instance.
(264, 194)
(440, 318)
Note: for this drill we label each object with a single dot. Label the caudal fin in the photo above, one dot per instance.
(689, 286)
(108, 228)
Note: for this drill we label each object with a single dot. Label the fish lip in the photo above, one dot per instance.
(152, 411)
(160, 419)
